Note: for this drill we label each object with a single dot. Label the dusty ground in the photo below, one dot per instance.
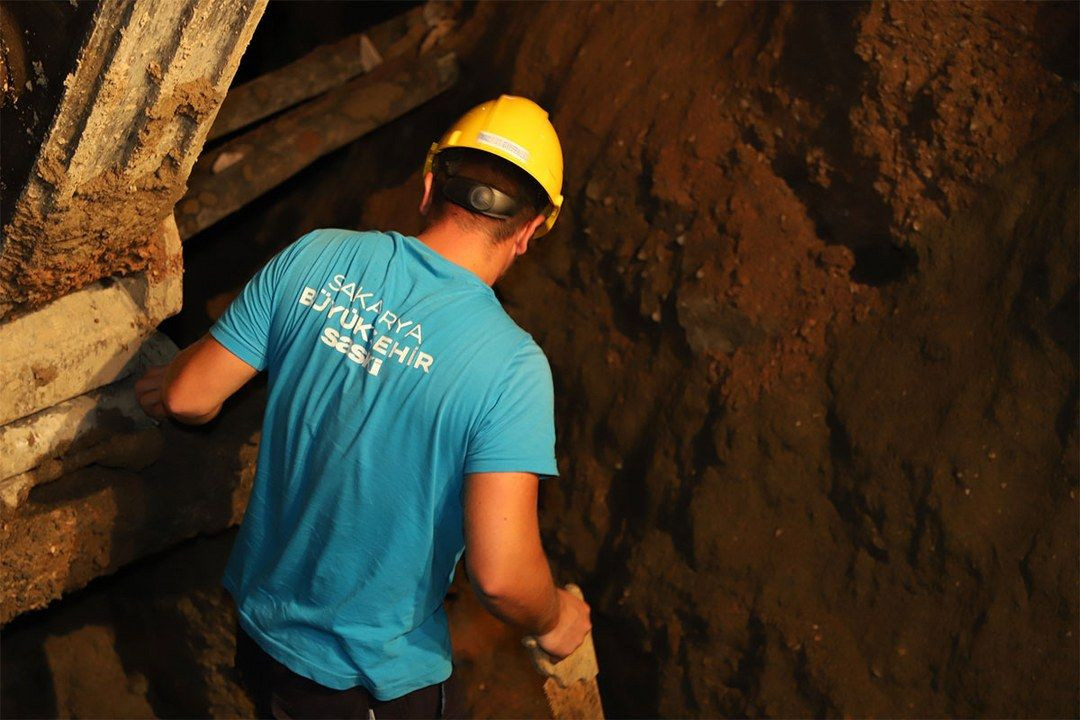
(157, 640)
(812, 313)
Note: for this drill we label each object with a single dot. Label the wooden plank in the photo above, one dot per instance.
(229, 177)
(321, 70)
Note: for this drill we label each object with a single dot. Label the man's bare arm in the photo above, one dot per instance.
(507, 564)
(194, 385)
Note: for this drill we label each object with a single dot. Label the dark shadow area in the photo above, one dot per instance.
(883, 262)
(821, 64)
(290, 30)
(39, 40)
(1058, 27)
(133, 644)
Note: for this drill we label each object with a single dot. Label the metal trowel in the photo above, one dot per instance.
(570, 684)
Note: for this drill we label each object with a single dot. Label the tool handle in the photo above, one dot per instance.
(578, 665)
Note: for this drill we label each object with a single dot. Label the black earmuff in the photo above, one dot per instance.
(479, 198)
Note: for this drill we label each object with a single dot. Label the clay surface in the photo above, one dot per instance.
(811, 309)
(811, 312)
(813, 324)
(158, 640)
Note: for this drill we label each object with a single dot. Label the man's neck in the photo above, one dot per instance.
(472, 252)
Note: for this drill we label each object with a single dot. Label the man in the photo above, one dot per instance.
(408, 419)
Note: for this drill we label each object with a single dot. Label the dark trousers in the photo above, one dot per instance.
(280, 693)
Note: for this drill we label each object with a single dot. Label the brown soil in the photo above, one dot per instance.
(816, 272)
(157, 640)
(812, 312)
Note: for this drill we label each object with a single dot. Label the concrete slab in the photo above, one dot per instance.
(95, 520)
(87, 339)
(133, 450)
(105, 426)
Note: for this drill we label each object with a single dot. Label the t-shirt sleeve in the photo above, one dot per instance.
(244, 328)
(517, 433)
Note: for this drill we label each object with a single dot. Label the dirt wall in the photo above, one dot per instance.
(156, 640)
(811, 309)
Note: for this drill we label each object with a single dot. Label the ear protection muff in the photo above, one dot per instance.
(479, 198)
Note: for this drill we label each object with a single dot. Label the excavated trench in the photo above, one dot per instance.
(812, 314)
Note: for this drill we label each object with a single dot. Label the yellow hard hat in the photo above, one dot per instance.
(517, 130)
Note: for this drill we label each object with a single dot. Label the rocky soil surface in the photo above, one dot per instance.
(812, 313)
(157, 640)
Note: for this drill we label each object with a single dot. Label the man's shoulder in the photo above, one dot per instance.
(501, 327)
(520, 353)
(530, 355)
(333, 236)
(506, 347)
(328, 245)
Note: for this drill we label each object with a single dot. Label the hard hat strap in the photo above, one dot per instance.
(479, 198)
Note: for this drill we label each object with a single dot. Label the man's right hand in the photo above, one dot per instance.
(570, 629)
(507, 565)
(148, 391)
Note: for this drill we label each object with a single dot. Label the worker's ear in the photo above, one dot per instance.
(425, 201)
(521, 241)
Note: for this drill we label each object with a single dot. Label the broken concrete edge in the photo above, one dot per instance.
(133, 119)
(101, 57)
(87, 339)
(131, 450)
(27, 442)
(95, 520)
(105, 426)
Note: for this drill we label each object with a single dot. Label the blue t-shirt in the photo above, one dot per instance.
(392, 374)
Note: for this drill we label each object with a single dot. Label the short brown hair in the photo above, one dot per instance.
(491, 170)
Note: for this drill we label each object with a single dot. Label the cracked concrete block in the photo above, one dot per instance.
(133, 450)
(96, 519)
(87, 339)
(105, 426)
